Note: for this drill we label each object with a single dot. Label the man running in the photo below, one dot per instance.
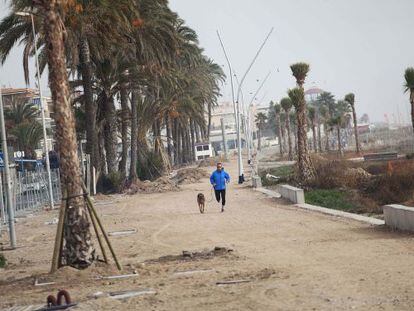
(218, 179)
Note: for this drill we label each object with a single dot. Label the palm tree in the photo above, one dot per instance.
(324, 117)
(297, 95)
(409, 86)
(350, 99)
(312, 119)
(277, 108)
(286, 104)
(260, 123)
(78, 244)
(27, 136)
(300, 71)
(337, 122)
(327, 100)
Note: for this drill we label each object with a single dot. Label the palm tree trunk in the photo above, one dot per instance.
(192, 134)
(110, 135)
(306, 170)
(124, 130)
(134, 136)
(197, 132)
(327, 147)
(175, 141)
(279, 134)
(289, 138)
(283, 138)
(78, 244)
(356, 129)
(412, 107)
(168, 129)
(156, 129)
(90, 106)
(315, 144)
(259, 137)
(338, 129)
(209, 122)
(295, 136)
(319, 137)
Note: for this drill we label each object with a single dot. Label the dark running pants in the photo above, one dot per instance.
(221, 193)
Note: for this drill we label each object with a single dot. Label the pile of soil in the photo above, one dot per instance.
(211, 161)
(162, 184)
(217, 251)
(190, 175)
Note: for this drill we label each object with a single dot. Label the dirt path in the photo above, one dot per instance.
(293, 259)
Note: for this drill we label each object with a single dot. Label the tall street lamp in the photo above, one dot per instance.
(42, 108)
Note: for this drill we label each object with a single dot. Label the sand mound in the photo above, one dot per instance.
(162, 184)
(190, 175)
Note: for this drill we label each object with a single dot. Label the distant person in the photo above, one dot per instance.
(219, 178)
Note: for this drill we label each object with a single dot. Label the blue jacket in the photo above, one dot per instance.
(219, 179)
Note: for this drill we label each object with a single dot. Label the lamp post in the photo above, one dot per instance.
(241, 175)
(42, 108)
(236, 104)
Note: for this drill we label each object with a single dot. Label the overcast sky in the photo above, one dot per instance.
(360, 46)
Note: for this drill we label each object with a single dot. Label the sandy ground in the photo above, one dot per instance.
(292, 259)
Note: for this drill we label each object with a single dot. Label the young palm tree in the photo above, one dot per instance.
(277, 109)
(409, 87)
(78, 245)
(297, 95)
(286, 104)
(350, 99)
(300, 71)
(260, 123)
(312, 119)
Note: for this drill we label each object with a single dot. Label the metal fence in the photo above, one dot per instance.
(30, 191)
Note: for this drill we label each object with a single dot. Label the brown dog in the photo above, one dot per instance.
(201, 200)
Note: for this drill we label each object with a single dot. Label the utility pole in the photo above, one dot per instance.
(10, 208)
(223, 133)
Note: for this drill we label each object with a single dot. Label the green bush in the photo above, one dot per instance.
(111, 183)
(151, 168)
(333, 199)
(3, 261)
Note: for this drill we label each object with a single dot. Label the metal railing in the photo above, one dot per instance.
(30, 191)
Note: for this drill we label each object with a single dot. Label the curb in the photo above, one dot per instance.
(327, 211)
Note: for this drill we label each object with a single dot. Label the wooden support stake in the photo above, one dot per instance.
(89, 201)
(95, 227)
(57, 251)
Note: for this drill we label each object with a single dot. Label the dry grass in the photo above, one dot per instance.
(396, 186)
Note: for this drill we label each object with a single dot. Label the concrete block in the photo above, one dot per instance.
(293, 194)
(256, 182)
(399, 217)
